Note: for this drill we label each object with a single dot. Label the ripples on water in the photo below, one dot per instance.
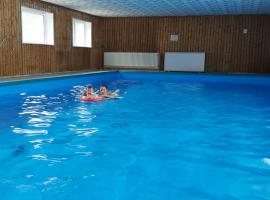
(161, 141)
(43, 119)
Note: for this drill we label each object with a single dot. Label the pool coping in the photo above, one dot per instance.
(33, 77)
(22, 78)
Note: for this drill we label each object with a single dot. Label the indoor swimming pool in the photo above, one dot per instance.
(170, 136)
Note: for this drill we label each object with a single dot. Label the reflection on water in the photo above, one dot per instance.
(30, 132)
(39, 157)
(266, 161)
(55, 122)
(51, 180)
(84, 114)
(39, 142)
(36, 111)
(180, 140)
(84, 131)
(86, 153)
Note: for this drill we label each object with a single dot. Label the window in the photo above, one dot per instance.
(82, 33)
(37, 27)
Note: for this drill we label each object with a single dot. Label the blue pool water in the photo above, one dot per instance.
(171, 136)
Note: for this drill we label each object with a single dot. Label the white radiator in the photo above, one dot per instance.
(184, 61)
(131, 60)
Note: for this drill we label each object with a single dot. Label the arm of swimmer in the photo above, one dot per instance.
(111, 96)
(85, 96)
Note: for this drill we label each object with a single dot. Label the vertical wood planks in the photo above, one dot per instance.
(221, 37)
(17, 58)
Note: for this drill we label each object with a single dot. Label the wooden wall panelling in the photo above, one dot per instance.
(17, 58)
(221, 37)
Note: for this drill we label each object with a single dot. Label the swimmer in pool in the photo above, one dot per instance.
(89, 92)
(103, 91)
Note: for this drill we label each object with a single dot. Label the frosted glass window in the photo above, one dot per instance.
(37, 27)
(82, 33)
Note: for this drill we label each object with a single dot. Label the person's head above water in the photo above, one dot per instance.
(103, 89)
(90, 89)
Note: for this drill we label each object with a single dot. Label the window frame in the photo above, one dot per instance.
(44, 14)
(84, 22)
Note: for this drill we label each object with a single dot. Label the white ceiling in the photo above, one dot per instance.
(121, 8)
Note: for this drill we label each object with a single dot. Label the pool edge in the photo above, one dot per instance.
(50, 76)
(37, 77)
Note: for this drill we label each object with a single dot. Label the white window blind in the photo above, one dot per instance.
(82, 33)
(37, 26)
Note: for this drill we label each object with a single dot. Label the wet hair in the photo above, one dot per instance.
(90, 87)
(103, 85)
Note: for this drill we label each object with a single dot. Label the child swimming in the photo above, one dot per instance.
(103, 91)
(89, 92)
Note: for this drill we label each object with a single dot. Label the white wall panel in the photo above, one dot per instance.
(184, 61)
(132, 60)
